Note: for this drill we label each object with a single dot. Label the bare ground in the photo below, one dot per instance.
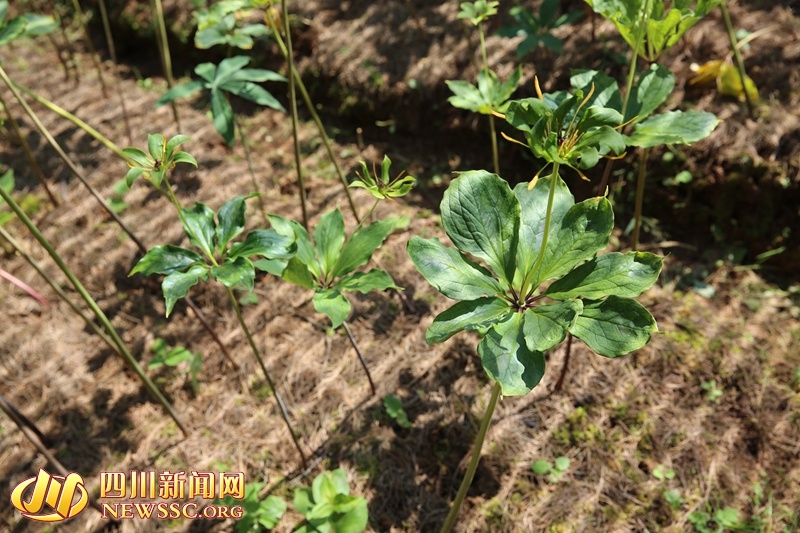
(616, 420)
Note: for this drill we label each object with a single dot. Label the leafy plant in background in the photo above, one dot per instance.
(554, 472)
(258, 514)
(490, 96)
(174, 357)
(212, 233)
(527, 237)
(711, 521)
(394, 408)
(671, 496)
(328, 506)
(25, 25)
(220, 24)
(537, 30)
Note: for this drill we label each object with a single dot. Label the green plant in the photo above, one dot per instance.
(229, 76)
(710, 521)
(383, 187)
(219, 24)
(173, 357)
(213, 234)
(25, 25)
(537, 30)
(527, 237)
(713, 392)
(258, 514)
(328, 506)
(327, 265)
(663, 473)
(394, 408)
(554, 471)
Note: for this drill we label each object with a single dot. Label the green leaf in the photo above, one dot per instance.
(270, 511)
(11, 30)
(625, 275)
(231, 221)
(362, 245)
(36, 25)
(137, 158)
(176, 285)
(579, 235)
(303, 500)
(355, 520)
(546, 326)
(305, 250)
(481, 216)
(200, 227)
(222, 113)
(331, 302)
(614, 326)
(673, 127)
(166, 260)
(184, 157)
(227, 68)
(533, 206)
(653, 88)
(450, 272)
(374, 280)
(180, 91)
(238, 272)
(606, 90)
(468, 315)
(266, 243)
(541, 467)
(254, 93)
(132, 175)
(209, 37)
(174, 143)
(272, 266)
(155, 145)
(297, 272)
(394, 408)
(506, 358)
(7, 182)
(329, 239)
(562, 463)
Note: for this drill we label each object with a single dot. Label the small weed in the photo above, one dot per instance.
(164, 356)
(713, 392)
(394, 408)
(554, 472)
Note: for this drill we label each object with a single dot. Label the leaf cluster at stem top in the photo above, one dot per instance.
(382, 186)
(520, 315)
(328, 506)
(163, 156)
(478, 11)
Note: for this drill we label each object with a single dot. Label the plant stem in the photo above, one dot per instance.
(524, 289)
(101, 316)
(492, 129)
(256, 188)
(11, 278)
(166, 60)
(92, 53)
(278, 399)
(113, 53)
(316, 118)
(360, 356)
(739, 61)
(37, 171)
(293, 108)
(78, 174)
(473, 463)
(118, 151)
(637, 217)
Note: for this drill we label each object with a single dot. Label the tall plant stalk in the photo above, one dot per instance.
(492, 129)
(726, 16)
(360, 357)
(473, 463)
(293, 108)
(300, 85)
(250, 169)
(118, 151)
(637, 216)
(157, 11)
(92, 53)
(98, 312)
(23, 141)
(118, 80)
(256, 353)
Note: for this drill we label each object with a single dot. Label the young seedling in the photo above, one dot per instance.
(528, 237)
(394, 408)
(258, 514)
(713, 391)
(327, 265)
(230, 76)
(220, 25)
(537, 30)
(174, 357)
(222, 259)
(328, 506)
(554, 472)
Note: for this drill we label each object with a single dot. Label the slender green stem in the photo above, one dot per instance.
(78, 174)
(637, 217)
(112, 51)
(293, 108)
(250, 169)
(161, 32)
(316, 118)
(736, 54)
(525, 290)
(92, 53)
(483, 48)
(360, 357)
(98, 312)
(278, 399)
(37, 171)
(473, 463)
(492, 129)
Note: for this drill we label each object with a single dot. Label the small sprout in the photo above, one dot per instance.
(553, 471)
(164, 356)
(382, 187)
(394, 408)
(713, 393)
(478, 11)
(661, 473)
(673, 498)
(328, 506)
